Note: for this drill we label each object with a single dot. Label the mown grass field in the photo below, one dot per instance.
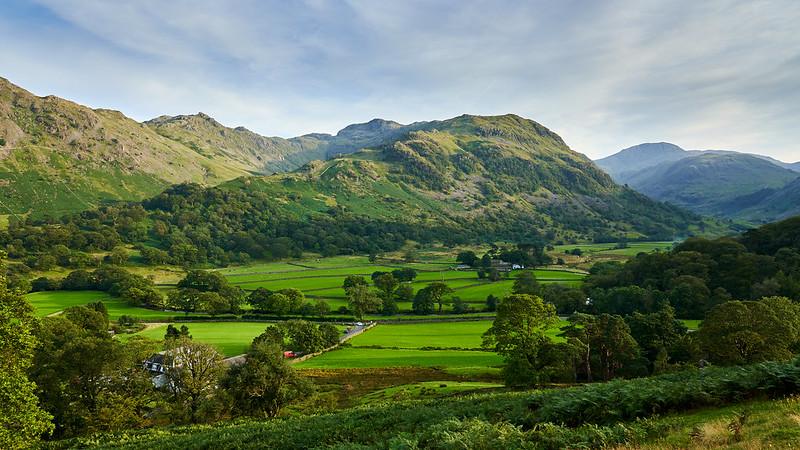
(450, 345)
(417, 335)
(50, 302)
(692, 324)
(230, 338)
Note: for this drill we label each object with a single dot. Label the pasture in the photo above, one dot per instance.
(322, 278)
(230, 338)
(417, 335)
(51, 302)
(450, 345)
(632, 248)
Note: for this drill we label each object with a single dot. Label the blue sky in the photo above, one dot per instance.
(603, 74)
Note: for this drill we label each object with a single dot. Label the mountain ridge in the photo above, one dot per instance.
(505, 169)
(57, 156)
(722, 183)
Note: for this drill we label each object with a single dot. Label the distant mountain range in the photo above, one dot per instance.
(508, 173)
(728, 184)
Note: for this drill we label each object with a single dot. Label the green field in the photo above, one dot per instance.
(417, 335)
(402, 345)
(632, 249)
(231, 338)
(50, 302)
(691, 324)
(353, 357)
(319, 279)
(322, 278)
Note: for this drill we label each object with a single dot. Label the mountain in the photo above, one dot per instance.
(716, 182)
(57, 156)
(630, 161)
(772, 204)
(240, 146)
(501, 171)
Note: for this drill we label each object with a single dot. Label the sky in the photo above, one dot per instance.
(604, 75)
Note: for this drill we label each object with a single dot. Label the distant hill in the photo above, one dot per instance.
(772, 204)
(498, 170)
(715, 182)
(505, 173)
(630, 161)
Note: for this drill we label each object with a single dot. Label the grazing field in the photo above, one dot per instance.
(451, 345)
(322, 278)
(352, 357)
(230, 338)
(51, 302)
(417, 335)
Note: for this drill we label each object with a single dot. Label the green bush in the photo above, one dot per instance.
(624, 400)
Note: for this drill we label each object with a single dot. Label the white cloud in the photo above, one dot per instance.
(605, 75)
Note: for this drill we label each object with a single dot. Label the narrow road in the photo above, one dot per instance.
(352, 331)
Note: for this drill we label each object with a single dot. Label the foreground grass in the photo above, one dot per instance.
(479, 421)
(763, 425)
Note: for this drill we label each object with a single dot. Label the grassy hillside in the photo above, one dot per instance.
(58, 156)
(502, 170)
(771, 204)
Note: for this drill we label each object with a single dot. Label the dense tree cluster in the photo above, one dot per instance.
(207, 291)
(623, 320)
(135, 289)
(528, 254)
(87, 381)
(22, 421)
(192, 225)
(700, 274)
